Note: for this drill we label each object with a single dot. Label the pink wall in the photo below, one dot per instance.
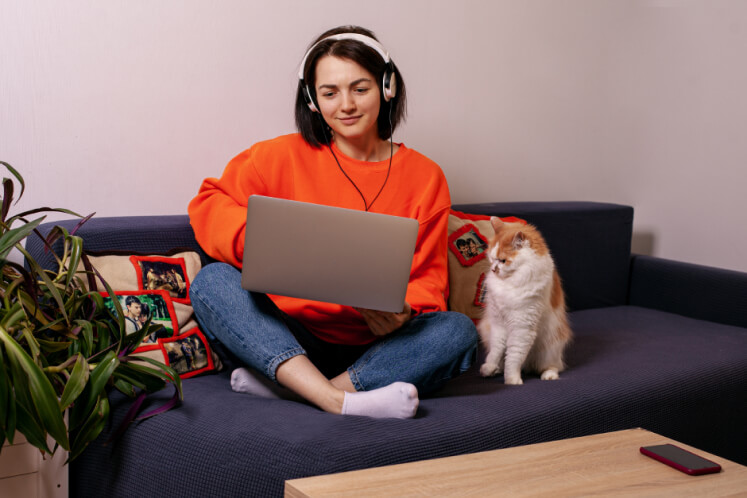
(124, 107)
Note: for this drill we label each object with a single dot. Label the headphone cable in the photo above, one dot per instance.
(366, 205)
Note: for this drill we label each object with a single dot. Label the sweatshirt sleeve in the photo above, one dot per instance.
(218, 212)
(429, 276)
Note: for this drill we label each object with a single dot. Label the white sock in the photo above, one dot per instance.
(397, 400)
(244, 380)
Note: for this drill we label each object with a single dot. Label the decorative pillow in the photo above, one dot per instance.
(123, 274)
(159, 282)
(469, 235)
(138, 306)
(157, 272)
(187, 353)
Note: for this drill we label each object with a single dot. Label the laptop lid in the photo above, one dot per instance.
(329, 254)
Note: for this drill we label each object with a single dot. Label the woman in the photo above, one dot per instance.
(350, 99)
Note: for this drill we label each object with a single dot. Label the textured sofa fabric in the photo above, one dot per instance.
(645, 354)
(590, 243)
(691, 290)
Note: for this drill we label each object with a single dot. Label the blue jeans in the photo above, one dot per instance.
(427, 351)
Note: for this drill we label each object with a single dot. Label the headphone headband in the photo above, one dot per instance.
(388, 83)
(366, 40)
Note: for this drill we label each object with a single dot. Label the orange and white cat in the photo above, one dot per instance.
(524, 323)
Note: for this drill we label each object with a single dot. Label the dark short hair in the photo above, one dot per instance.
(311, 126)
(132, 299)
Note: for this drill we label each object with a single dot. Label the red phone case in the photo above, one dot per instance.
(673, 456)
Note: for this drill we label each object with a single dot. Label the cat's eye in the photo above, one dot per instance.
(502, 261)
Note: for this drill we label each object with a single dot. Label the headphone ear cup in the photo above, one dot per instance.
(389, 85)
(309, 99)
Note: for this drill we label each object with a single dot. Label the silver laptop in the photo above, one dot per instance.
(330, 254)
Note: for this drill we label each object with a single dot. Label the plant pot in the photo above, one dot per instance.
(23, 471)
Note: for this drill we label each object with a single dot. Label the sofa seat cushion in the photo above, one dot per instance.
(628, 367)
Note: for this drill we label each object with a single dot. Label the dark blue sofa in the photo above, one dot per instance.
(658, 344)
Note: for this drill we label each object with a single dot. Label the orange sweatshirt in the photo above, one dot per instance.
(287, 167)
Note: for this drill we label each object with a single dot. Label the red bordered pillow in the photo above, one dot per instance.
(469, 236)
(167, 276)
(138, 307)
(187, 353)
(163, 273)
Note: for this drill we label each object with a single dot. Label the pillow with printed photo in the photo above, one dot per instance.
(163, 273)
(138, 307)
(145, 276)
(187, 353)
(119, 271)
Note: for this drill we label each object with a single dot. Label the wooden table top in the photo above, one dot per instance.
(607, 464)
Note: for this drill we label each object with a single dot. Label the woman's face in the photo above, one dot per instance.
(348, 98)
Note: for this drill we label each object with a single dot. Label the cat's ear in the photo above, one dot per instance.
(497, 223)
(519, 240)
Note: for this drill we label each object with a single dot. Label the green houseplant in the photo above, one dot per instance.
(61, 349)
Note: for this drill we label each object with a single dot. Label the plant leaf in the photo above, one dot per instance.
(24, 278)
(31, 344)
(29, 427)
(76, 383)
(49, 285)
(7, 402)
(76, 249)
(92, 427)
(10, 238)
(174, 401)
(125, 388)
(129, 417)
(96, 383)
(7, 197)
(18, 177)
(42, 393)
(19, 382)
(81, 222)
(22, 216)
(170, 374)
(53, 346)
(13, 315)
(85, 337)
(52, 236)
(131, 341)
(143, 377)
(119, 333)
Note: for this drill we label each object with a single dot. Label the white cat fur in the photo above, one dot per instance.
(519, 327)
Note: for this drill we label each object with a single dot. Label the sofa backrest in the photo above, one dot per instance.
(589, 241)
(137, 234)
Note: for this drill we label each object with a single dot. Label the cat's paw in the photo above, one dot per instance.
(513, 381)
(489, 370)
(550, 374)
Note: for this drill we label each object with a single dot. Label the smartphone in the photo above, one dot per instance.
(680, 459)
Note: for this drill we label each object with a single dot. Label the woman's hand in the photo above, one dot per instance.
(383, 323)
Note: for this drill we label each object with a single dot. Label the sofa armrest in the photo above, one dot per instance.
(137, 234)
(696, 291)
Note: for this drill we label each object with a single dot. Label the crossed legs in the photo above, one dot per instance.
(254, 329)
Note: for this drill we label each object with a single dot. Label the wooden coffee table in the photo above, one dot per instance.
(603, 464)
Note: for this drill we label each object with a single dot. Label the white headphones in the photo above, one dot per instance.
(389, 81)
